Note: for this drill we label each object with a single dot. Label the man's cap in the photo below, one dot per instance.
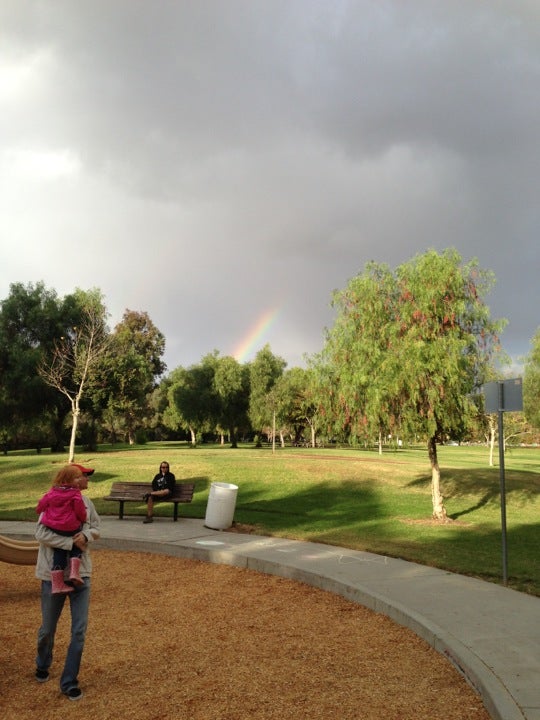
(85, 471)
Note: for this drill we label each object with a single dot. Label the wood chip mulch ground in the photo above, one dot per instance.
(174, 638)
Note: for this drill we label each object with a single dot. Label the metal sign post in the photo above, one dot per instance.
(502, 482)
(500, 397)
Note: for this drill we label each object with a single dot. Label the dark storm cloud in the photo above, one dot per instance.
(208, 161)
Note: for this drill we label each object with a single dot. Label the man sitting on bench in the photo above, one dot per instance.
(162, 486)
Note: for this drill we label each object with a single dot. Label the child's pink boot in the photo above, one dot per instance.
(74, 569)
(58, 584)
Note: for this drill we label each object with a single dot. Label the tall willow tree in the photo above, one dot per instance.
(193, 402)
(264, 372)
(32, 318)
(231, 385)
(409, 347)
(296, 404)
(131, 367)
(362, 384)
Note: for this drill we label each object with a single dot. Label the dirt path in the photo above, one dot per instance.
(172, 638)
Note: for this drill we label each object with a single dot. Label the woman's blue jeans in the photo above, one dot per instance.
(51, 609)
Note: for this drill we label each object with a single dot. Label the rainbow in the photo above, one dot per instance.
(255, 334)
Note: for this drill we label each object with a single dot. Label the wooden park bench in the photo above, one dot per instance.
(123, 492)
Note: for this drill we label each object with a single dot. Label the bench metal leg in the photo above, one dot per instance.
(175, 513)
(121, 510)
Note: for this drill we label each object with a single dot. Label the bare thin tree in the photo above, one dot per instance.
(73, 360)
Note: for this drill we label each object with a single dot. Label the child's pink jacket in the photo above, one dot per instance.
(63, 508)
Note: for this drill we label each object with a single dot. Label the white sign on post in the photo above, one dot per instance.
(499, 397)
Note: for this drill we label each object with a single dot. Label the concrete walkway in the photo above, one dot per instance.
(491, 633)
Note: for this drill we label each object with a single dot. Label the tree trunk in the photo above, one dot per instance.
(74, 423)
(492, 423)
(439, 511)
(130, 427)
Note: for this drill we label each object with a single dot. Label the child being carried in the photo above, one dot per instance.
(62, 510)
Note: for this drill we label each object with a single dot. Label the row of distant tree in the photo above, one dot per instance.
(406, 358)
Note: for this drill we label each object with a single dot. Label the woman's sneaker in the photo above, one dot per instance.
(74, 693)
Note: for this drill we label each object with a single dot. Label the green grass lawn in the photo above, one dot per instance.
(351, 498)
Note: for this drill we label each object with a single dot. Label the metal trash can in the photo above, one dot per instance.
(220, 506)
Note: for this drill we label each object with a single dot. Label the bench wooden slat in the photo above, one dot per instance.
(122, 492)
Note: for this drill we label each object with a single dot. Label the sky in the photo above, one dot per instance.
(225, 165)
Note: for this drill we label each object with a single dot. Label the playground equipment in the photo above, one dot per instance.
(18, 552)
